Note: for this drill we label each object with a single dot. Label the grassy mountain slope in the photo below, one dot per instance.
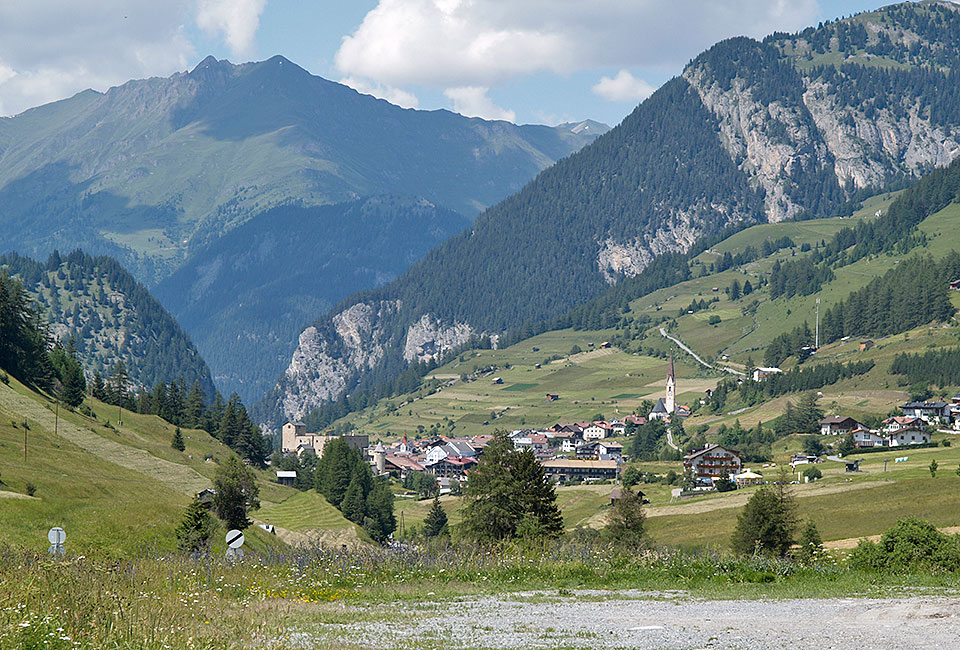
(121, 489)
(110, 317)
(245, 296)
(459, 397)
(749, 132)
(156, 168)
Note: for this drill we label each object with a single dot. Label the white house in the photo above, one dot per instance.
(908, 437)
(597, 431)
(759, 374)
(864, 438)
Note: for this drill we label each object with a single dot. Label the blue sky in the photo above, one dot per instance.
(522, 60)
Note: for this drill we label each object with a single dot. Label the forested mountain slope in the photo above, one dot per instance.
(791, 127)
(156, 168)
(246, 295)
(109, 317)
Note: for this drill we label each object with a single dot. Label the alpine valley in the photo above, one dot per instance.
(794, 127)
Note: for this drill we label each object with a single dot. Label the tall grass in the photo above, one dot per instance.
(157, 602)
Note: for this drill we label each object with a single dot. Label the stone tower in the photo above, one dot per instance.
(380, 458)
(670, 399)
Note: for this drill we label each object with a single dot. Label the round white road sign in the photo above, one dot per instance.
(235, 538)
(56, 536)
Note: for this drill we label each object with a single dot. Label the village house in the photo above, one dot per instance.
(601, 450)
(286, 477)
(760, 374)
(908, 436)
(712, 462)
(597, 431)
(837, 425)
(898, 422)
(930, 412)
(451, 467)
(866, 439)
(563, 470)
(636, 420)
(865, 345)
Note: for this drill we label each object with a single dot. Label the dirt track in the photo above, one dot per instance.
(643, 620)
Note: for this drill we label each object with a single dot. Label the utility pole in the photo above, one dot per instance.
(817, 344)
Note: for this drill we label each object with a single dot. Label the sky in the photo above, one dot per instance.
(526, 61)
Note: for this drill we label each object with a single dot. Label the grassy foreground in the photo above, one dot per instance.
(155, 603)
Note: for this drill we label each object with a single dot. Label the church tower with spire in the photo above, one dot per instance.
(670, 400)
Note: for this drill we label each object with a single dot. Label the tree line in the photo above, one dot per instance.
(939, 367)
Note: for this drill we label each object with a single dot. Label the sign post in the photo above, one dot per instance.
(234, 542)
(56, 536)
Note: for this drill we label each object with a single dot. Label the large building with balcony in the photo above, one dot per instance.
(713, 462)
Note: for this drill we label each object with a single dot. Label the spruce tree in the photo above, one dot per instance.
(491, 511)
(537, 495)
(196, 529)
(177, 442)
(435, 524)
(811, 545)
(353, 503)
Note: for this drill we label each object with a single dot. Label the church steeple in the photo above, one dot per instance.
(670, 399)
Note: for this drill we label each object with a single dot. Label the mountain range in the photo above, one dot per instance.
(156, 171)
(795, 126)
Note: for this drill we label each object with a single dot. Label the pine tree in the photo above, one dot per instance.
(177, 442)
(435, 524)
(196, 529)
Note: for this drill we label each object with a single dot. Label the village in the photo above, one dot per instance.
(594, 451)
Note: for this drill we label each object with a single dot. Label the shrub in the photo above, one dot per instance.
(767, 523)
(31, 489)
(912, 544)
(5, 378)
(724, 485)
(813, 473)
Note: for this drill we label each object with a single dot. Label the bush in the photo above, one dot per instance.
(912, 544)
(724, 485)
(31, 489)
(813, 473)
(5, 378)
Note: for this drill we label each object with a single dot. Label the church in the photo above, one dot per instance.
(666, 406)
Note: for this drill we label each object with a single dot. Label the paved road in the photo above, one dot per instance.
(670, 440)
(703, 363)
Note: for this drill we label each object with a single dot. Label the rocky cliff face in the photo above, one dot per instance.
(321, 366)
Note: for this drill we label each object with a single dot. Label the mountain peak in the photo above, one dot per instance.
(207, 62)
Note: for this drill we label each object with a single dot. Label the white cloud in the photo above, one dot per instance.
(472, 101)
(623, 88)
(236, 21)
(456, 43)
(389, 93)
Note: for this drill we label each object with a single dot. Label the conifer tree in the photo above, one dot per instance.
(196, 529)
(177, 442)
(767, 523)
(625, 520)
(435, 524)
(353, 504)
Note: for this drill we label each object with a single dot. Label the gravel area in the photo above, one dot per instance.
(656, 621)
